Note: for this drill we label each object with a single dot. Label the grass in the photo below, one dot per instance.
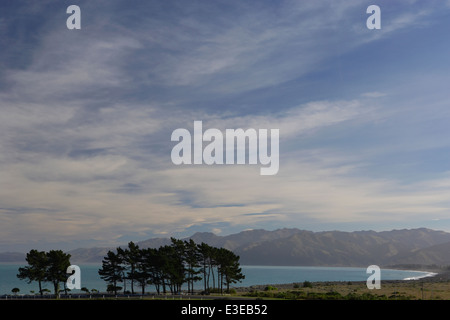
(390, 290)
(432, 288)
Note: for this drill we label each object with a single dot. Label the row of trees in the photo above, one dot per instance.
(46, 267)
(171, 266)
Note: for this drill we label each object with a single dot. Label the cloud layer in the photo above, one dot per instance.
(86, 118)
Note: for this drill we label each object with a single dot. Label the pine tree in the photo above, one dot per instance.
(58, 262)
(112, 271)
(192, 259)
(229, 269)
(36, 269)
(171, 266)
(130, 257)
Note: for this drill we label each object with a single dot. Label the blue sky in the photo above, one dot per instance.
(87, 116)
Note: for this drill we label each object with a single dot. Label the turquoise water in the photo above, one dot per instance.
(254, 275)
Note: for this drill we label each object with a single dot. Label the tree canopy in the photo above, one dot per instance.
(169, 267)
(46, 267)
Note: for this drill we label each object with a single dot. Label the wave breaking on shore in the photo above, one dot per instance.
(429, 274)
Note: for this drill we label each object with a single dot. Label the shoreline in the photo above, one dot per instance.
(429, 274)
(435, 276)
(433, 286)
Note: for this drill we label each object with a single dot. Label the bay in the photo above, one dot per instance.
(254, 275)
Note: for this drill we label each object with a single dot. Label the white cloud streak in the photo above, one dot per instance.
(85, 153)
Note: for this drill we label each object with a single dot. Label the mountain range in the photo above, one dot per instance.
(292, 246)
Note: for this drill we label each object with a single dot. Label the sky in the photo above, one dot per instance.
(86, 117)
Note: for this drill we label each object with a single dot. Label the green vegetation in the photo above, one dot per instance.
(269, 288)
(171, 266)
(167, 268)
(431, 288)
(46, 267)
(303, 295)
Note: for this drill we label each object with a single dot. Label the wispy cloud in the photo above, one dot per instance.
(86, 119)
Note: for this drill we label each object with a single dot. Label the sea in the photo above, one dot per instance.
(254, 275)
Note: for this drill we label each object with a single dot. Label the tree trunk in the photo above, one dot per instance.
(56, 288)
(204, 275)
(132, 280)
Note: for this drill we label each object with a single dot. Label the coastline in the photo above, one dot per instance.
(435, 285)
(428, 275)
(433, 274)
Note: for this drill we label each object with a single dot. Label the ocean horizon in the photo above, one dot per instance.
(254, 275)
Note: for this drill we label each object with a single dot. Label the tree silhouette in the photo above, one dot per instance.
(36, 269)
(112, 271)
(171, 266)
(46, 267)
(130, 258)
(58, 262)
(192, 259)
(229, 269)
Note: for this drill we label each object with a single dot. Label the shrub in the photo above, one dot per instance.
(270, 288)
